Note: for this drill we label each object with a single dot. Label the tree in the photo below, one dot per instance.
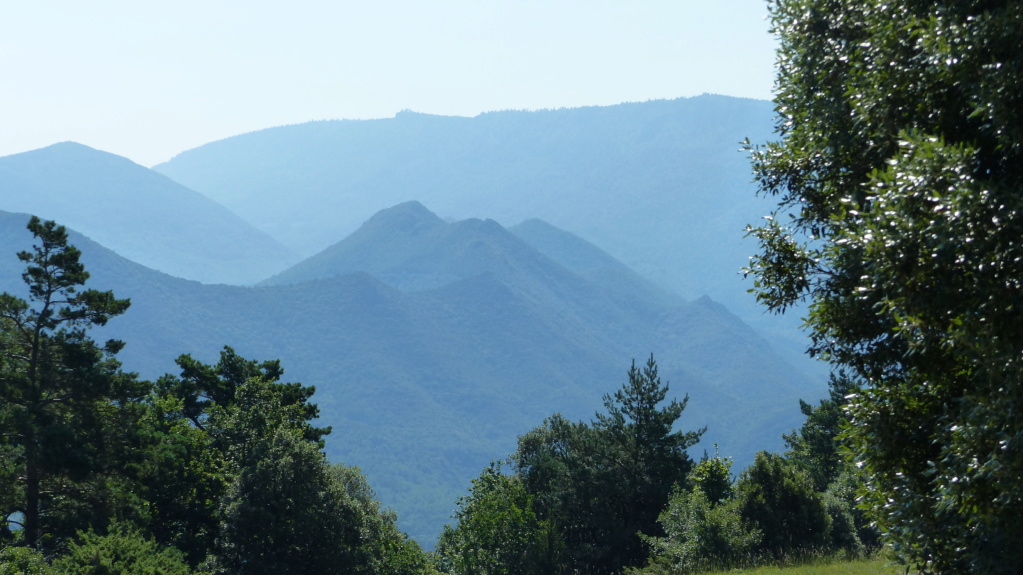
(820, 449)
(63, 398)
(899, 162)
(699, 534)
(124, 549)
(283, 513)
(24, 561)
(648, 456)
(498, 531)
(200, 428)
(777, 499)
(605, 484)
(183, 480)
(713, 476)
(202, 386)
(851, 529)
(816, 446)
(286, 508)
(559, 465)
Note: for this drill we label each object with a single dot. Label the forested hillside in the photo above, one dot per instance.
(424, 386)
(217, 467)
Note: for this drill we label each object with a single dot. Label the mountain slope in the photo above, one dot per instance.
(671, 166)
(662, 186)
(411, 248)
(423, 388)
(140, 214)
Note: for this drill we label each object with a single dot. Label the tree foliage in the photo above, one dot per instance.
(221, 467)
(208, 428)
(898, 166)
(816, 446)
(203, 386)
(24, 561)
(605, 484)
(777, 499)
(287, 509)
(63, 399)
(123, 549)
(498, 531)
(713, 476)
(819, 448)
(700, 534)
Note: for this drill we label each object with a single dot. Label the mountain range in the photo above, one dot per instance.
(142, 215)
(429, 373)
(663, 186)
(566, 244)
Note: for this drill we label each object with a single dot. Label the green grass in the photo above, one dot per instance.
(874, 566)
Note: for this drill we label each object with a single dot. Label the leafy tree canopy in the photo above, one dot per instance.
(498, 531)
(778, 499)
(604, 484)
(201, 386)
(816, 446)
(898, 177)
(123, 550)
(713, 477)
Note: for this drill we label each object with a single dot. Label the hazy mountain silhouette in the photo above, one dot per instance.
(661, 185)
(140, 214)
(411, 248)
(424, 386)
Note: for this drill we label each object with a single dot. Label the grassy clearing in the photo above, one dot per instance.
(875, 566)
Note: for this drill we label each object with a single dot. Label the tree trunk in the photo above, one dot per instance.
(31, 492)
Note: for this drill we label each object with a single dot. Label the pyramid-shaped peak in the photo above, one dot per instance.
(67, 155)
(68, 147)
(407, 218)
(536, 224)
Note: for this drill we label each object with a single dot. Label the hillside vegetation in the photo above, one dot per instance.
(424, 381)
(219, 468)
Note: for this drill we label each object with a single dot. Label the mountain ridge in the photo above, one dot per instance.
(423, 388)
(661, 185)
(141, 214)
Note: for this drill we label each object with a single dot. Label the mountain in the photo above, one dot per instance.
(411, 248)
(426, 376)
(140, 214)
(661, 186)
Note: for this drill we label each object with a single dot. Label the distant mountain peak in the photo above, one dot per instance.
(408, 218)
(65, 155)
(68, 145)
(479, 224)
(140, 214)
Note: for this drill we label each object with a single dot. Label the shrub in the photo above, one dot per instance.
(122, 550)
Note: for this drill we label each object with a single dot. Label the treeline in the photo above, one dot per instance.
(219, 469)
(621, 495)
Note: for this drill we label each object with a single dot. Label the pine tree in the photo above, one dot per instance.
(60, 391)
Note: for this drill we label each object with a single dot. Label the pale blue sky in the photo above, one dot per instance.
(147, 79)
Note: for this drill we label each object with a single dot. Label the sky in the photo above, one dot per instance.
(147, 79)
